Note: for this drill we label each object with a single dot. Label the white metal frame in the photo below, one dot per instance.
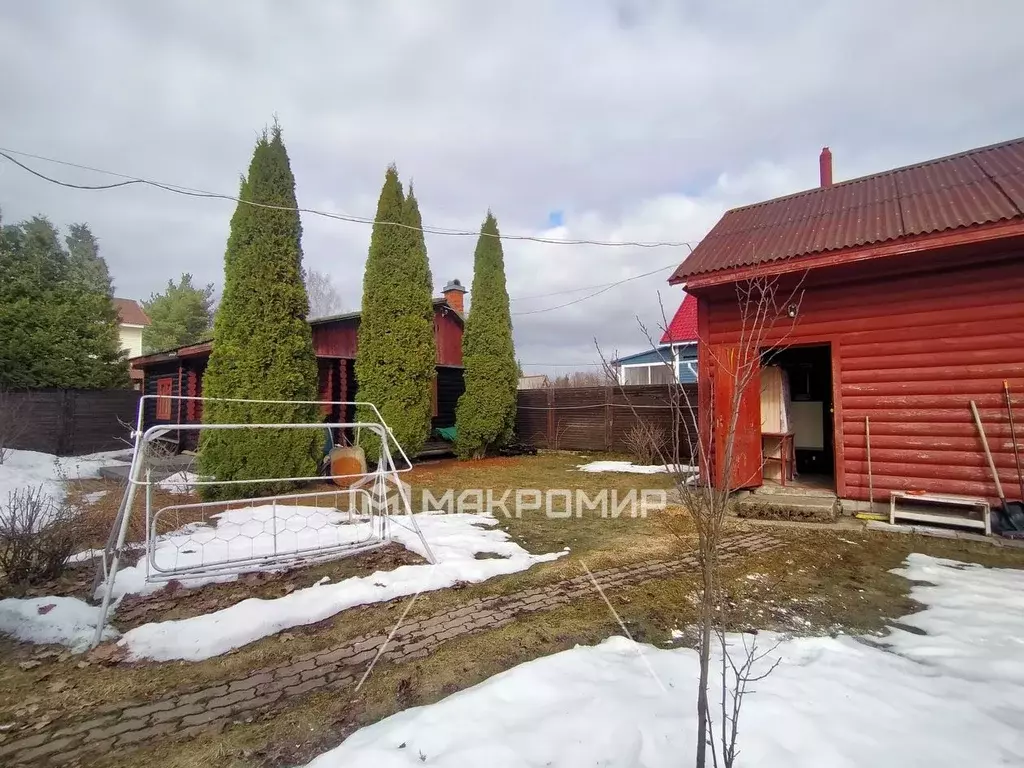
(380, 506)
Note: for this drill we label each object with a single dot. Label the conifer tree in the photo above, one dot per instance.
(84, 260)
(181, 315)
(59, 323)
(486, 413)
(262, 343)
(397, 358)
(411, 217)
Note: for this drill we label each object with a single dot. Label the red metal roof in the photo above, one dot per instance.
(977, 187)
(130, 312)
(683, 327)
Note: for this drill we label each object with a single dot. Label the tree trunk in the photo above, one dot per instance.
(705, 665)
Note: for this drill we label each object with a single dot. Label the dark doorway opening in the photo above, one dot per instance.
(807, 390)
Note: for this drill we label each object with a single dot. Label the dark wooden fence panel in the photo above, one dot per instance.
(599, 418)
(70, 422)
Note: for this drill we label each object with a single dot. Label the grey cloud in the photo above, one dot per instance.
(625, 114)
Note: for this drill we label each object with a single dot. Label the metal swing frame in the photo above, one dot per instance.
(380, 507)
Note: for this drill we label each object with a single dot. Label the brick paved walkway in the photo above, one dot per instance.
(186, 713)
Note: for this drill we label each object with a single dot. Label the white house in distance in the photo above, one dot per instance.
(677, 352)
(131, 320)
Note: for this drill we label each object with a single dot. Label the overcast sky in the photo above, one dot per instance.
(623, 119)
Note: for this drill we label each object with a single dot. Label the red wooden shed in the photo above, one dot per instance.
(335, 340)
(912, 306)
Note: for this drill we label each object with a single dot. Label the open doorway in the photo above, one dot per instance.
(796, 400)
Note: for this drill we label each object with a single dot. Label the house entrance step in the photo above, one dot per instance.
(791, 489)
(788, 506)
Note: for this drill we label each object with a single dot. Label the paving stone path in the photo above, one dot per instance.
(185, 713)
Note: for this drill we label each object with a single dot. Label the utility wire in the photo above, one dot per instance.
(605, 289)
(673, 265)
(193, 192)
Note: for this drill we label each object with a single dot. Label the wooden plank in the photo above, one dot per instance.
(551, 423)
(838, 433)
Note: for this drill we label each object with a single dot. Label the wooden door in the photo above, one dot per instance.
(164, 392)
(731, 366)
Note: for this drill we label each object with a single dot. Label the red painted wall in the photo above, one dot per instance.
(448, 336)
(336, 339)
(339, 338)
(913, 341)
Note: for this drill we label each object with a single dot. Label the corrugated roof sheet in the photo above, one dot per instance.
(980, 186)
(683, 327)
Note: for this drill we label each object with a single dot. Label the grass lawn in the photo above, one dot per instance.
(821, 581)
(603, 541)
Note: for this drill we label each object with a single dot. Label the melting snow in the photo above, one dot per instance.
(951, 697)
(31, 469)
(455, 540)
(64, 620)
(640, 469)
(179, 483)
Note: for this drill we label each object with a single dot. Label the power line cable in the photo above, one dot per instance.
(605, 289)
(673, 265)
(193, 192)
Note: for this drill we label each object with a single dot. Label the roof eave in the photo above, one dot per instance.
(902, 246)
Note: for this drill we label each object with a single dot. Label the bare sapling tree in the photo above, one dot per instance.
(38, 534)
(702, 457)
(643, 441)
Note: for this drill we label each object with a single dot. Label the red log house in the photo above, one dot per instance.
(335, 342)
(912, 306)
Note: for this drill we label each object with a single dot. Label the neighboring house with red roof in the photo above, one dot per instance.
(676, 352)
(912, 306)
(132, 319)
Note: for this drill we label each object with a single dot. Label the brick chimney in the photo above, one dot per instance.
(454, 294)
(825, 163)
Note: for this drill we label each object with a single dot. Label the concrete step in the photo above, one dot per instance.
(774, 489)
(791, 506)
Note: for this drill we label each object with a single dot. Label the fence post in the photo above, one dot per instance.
(65, 435)
(609, 417)
(551, 415)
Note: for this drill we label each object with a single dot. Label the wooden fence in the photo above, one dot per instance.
(598, 418)
(69, 422)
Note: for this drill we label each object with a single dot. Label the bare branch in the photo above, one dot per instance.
(324, 299)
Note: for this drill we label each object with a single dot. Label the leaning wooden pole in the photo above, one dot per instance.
(988, 453)
(1013, 437)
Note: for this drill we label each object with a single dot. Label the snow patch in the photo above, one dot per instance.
(455, 540)
(640, 469)
(953, 697)
(30, 469)
(179, 483)
(64, 620)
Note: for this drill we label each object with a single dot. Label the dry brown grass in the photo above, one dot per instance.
(828, 578)
(824, 579)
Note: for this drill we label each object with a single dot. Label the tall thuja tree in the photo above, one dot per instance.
(412, 219)
(486, 413)
(262, 343)
(396, 363)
